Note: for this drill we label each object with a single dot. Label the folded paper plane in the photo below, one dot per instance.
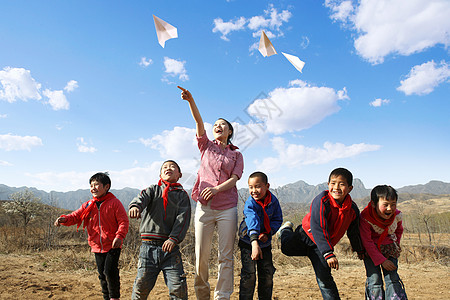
(164, 31)
(295, 61)
(265, 46)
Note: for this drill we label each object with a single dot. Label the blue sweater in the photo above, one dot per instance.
(253, 223)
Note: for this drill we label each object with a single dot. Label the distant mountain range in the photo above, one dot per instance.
(297, 192)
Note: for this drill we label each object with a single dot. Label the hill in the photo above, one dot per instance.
(298, 192)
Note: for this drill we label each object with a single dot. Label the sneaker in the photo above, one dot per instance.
(286, 225)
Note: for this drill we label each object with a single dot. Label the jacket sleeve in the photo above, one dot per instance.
(122, 220)
(252, 219)
(353, 231)
(277, 217)
(183, 219)
(369, 243)
(75, 216)
(319, 226)
(144, 198)
(399, 232)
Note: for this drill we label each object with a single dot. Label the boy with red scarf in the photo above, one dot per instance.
(332, 213)
(165, 209)
(381, 230)
(107, 225)
(262, 218)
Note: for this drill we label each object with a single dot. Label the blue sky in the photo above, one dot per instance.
(86, 87)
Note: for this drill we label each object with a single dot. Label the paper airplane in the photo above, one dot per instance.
(265, 46)
(164, 31)
(295, 61)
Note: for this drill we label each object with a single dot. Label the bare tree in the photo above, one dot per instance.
(23, 204)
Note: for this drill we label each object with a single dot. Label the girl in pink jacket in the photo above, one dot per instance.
(381, 230)
(107, 225)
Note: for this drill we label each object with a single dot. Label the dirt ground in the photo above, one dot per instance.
(29, 277)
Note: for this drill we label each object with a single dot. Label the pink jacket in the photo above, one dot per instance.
(103, 224)
(369, 237)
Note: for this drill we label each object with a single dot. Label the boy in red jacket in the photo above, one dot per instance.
(107, 225)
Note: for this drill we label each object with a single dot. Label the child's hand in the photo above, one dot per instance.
(389, 265)
(263, 237)
(361, 256)
(256, 251)
(116, 243)
(168, 246)
(60, 220)
(208, 193)
(134, 213)
(333, 263)
(185, 94)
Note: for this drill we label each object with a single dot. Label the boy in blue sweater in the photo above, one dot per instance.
(262, 218)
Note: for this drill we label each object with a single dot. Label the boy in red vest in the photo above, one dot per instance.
(107, 225)
(332, 213)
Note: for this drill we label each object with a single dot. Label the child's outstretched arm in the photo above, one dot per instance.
(60, 221)
(186, 95)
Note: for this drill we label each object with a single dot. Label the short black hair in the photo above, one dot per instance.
(230, 127)
(344, 173)
(102, 177)
(172, 161)
(383, 191)
(260, 175)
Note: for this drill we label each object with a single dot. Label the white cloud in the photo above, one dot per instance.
(387, 27)
(226, 27)
(56, 99)
(5, 163)
(296, 108)
(175, 144)
(295, 156)
(424, 78)
(71, 86)
(17, 84)
(378, 102)
(175, 68)
(271, 20)
(342, 10)
(274, 19)
(83, 146)
(11, 142)
(145, 62)
(3, 116)
(133, 177)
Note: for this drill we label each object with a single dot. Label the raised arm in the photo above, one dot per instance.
(186, 95)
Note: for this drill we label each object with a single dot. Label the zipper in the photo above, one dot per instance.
(100, 227)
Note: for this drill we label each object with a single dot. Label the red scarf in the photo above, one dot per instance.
(371, 215)
(264, 204)
(169, 187)
(90, 206)
(346, 205)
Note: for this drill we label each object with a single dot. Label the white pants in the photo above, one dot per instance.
(206, 219)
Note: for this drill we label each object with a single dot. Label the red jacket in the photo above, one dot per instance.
(105, 223)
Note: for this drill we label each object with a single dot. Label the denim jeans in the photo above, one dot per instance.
(152, 260)
(374, 282)
(108, 273)
(297, 243)
(248, 274)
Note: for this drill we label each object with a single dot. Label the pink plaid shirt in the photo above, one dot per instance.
(217, 166)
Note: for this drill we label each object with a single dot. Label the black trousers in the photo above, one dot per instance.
(108, 273)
